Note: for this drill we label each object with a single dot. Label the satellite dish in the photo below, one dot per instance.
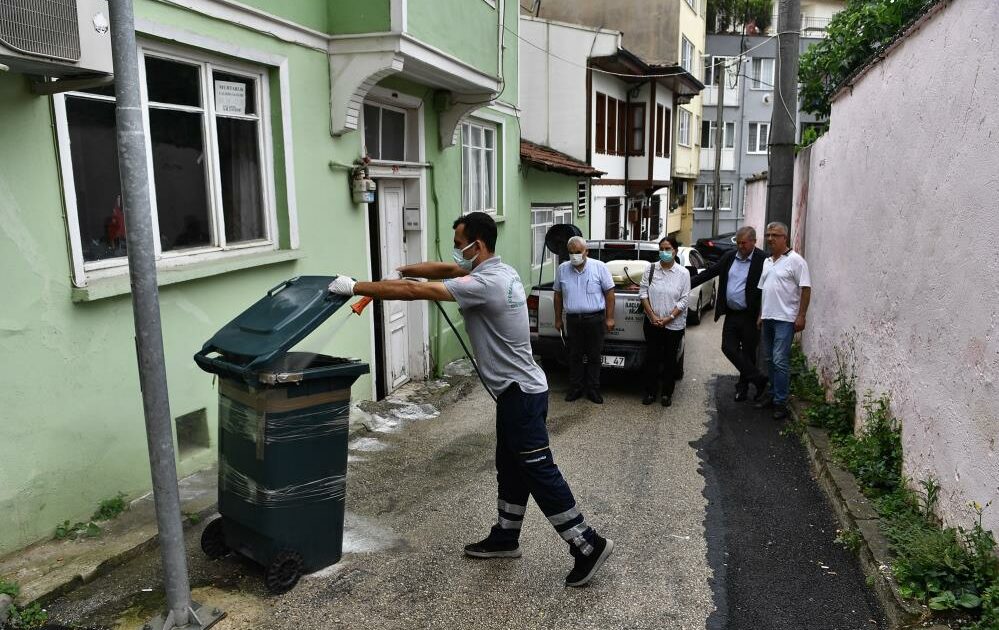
(557, 239)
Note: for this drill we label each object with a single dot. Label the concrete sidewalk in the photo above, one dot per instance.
(54, 567)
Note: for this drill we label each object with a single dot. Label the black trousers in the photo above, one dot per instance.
(740, 338)
(585, 338)
(661, 346)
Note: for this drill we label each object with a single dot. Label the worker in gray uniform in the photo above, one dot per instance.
(492, 300)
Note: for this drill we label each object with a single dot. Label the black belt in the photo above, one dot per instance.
(584, 315)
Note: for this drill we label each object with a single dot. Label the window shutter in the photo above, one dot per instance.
(611, 126)
(601, 131)
(667, 128)
(622, 128)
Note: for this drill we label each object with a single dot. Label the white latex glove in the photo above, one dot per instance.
(342, 285)
(393, 275)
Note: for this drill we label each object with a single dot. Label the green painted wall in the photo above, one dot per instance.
(351, 16)
(466, 29)
(309, 13)
(71, 417)
(73, 430)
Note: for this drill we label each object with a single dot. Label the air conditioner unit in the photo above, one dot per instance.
(56, 38)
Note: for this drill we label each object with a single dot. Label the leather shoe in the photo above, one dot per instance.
(741, 395)
(761, 387)
(595, 396)
(648, 400)
(780, 412)
(574, 394)
(667, 401)
(766, 403)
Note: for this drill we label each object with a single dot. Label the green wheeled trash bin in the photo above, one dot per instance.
(283, 419)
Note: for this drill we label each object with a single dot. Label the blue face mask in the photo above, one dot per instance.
(666, 256)
(459, 257)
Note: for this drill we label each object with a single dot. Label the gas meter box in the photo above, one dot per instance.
(283, 421)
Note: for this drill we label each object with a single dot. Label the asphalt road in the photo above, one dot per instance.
(771, 535)
(714, 529)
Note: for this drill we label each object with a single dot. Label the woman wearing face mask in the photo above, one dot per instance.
(664, 291)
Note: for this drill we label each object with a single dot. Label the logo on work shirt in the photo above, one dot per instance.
(515, 295)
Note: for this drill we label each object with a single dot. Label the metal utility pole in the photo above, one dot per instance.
(720, 69)
(780, 179)
(146, 313)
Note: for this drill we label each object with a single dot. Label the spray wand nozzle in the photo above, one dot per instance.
(361, 304)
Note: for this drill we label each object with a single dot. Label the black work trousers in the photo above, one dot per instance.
(585, 338)
(740, 338)
(661, 366)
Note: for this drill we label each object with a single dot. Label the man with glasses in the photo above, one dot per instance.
(787, 290)
(738, 274)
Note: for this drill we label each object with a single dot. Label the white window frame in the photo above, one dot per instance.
(207, 63)
(758, 81)
(758, 150)
(682, 129)
(728, 134)
(497, 155)
(561, 211)
(692, 4)
(687, 54)
(709, 191)
(405, 130)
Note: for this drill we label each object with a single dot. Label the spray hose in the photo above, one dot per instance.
(359, 306)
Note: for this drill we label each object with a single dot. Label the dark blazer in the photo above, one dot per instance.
(720, 270)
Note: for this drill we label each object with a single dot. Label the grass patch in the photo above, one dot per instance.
(952, 570)
(66, 531)
(110, 509)
(31, 616)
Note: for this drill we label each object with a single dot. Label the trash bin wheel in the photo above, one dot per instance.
(283, 572)
(213, 540)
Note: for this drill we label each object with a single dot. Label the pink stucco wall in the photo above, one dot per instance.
(903, 246)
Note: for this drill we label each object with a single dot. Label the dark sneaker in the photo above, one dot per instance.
(587, 566)
(766, 403)
(780, 412)
(491, 548)
(574, 394)
(595, 396)
(667, 401)
(648, 400)
(741, 395)
(761, 387)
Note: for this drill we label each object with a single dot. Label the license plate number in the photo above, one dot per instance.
(611, 361)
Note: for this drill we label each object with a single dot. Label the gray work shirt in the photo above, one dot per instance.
(493, 302)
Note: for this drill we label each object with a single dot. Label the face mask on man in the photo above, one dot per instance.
(576, 259)
(459, 257)
(666, 256)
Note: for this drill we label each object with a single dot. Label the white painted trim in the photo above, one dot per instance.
(504, 108)
(255, 20)
(79, 277)
(188, 38)
(400, 16)
(393, 97)
(448, 63)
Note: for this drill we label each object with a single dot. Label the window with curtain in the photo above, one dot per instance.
(478, 175)
(205, 138)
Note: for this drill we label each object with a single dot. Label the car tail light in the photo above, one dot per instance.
(532, 312)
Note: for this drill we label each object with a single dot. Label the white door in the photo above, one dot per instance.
(395, 313)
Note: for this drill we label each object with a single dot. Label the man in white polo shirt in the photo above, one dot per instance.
(787, 290)
(584, 292)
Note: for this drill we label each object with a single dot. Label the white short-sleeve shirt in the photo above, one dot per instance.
(781, 283)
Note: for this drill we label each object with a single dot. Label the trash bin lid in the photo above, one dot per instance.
(269, 328)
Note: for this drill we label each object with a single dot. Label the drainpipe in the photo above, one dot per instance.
(501, 44)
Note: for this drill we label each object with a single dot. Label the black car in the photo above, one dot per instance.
(714, 247)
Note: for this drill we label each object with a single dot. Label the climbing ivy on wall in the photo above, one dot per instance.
(855, 35)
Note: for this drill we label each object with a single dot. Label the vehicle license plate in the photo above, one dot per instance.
(611, 361)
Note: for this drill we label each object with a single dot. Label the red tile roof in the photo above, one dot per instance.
(548, 159)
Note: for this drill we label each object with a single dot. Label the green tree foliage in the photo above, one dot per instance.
(857, 33)
(729, 15)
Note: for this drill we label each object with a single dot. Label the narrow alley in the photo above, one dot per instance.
(716, 520)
